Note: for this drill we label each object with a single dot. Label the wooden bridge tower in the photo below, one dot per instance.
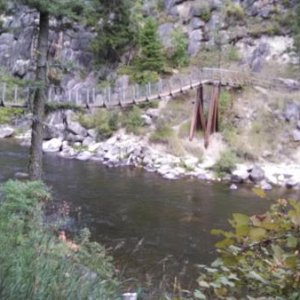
(210, 123)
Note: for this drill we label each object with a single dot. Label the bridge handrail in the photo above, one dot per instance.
(14, 94)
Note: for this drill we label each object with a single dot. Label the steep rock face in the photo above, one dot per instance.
(203, 22)
(68, 44)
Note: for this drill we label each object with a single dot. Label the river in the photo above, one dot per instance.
(155, 229)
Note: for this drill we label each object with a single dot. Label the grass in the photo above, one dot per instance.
(225, 164)
(234, 12)
(7, 114)
(132, 120)
(35, 263)
(164, 134)
(106, 122)
(176, 111)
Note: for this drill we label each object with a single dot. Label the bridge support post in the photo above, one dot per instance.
(198, 114)
(198, 118)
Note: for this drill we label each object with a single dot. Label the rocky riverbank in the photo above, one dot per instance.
(71, 140)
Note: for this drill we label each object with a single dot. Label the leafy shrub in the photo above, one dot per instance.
(7, 114)
(133, 121)
(258, 258)
(225, 101)
(269, 28)
(162, 133)
(35, 264)
(234, 12)
(106, 122)
(232, 54)
(143, 77)
(179, 56)
(225, 164)
(203, 10)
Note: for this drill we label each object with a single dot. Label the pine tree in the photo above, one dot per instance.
(115, 32)
(151, 56)
(56, 8)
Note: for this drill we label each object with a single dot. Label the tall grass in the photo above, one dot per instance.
(35, 264)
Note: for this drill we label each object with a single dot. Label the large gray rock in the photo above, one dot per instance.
(291, 112)
(75, 128)
(291, 84)
(53, 145)
(258, 55)
(296, 135)
(197, 23)
(266, 186)
(6, 131)
(20, 67)
(239, 176)
(165, 33)
(73, 138)
(257, 174)
(195, 39)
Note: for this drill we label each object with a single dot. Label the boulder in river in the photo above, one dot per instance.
(257, 174)
(53, 145)
(6, 131)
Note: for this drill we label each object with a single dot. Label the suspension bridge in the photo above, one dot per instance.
(19, 96)
(204, 119)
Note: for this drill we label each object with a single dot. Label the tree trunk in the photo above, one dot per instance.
(36, 150)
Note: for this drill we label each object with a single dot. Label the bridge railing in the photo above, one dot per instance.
(13, 95)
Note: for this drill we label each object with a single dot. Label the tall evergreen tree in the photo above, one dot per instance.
(115, 31)
(57, 8)
(151, 56)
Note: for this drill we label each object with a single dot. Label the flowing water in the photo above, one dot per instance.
(156, 229)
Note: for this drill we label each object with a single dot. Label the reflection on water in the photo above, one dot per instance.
(154, 227)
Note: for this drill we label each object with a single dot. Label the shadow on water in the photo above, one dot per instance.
(156, 229)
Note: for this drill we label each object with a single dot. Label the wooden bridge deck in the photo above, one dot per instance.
(91, 97)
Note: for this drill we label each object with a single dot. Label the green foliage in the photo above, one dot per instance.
(234, 12)
(232, 54)
(270, 28)
(74, 9)
(258, 258)
(162, 133)
(115, 32)
(7, 114)
(151, 56)
(225, 164)
(35, 264)
(106, 122)
(52, 107)
(295, 26)
(203, 10)
(143, 77)
(133, 121)
(225, 102)
(179, 56)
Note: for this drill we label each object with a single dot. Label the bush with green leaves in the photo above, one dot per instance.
(258, 258)
(179, 56)
(7, 114)
(234, 12)
(133, 121)
(35, 264)
(106, 122)
(225, 164)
